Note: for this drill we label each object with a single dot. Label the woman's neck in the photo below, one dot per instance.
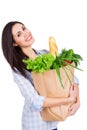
(29, 52)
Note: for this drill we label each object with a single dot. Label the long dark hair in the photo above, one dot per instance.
(14, 55)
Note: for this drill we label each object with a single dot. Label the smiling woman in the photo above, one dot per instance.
(23, 38)
(17, 43)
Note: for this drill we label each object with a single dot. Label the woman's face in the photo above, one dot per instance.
(22, 36)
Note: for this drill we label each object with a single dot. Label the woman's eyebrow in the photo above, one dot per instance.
(18, 32)
(23, 25)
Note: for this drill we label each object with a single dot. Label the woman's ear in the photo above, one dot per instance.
(15, 44)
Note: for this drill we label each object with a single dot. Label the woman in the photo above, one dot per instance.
(17, 43)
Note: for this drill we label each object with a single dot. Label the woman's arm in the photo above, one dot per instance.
(52, 102)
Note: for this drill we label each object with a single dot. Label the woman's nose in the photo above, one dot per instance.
(26, 33)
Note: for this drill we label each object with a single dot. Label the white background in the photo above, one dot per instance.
(66, 20)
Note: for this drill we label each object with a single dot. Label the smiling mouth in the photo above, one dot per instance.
(29, 38)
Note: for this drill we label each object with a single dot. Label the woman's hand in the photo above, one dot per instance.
(74, 107)
(73, 93)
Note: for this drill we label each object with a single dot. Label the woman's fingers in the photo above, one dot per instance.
(74, 108)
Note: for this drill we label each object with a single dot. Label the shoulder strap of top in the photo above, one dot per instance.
(43, 51)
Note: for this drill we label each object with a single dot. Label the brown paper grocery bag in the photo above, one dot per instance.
(48, 84)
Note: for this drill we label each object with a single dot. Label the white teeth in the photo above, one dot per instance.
(29, 38)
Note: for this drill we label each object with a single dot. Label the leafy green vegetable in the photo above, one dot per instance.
(40, 63)
(66, 57)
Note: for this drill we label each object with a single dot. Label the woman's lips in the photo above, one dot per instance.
(29, 38)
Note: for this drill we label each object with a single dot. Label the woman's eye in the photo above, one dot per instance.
(23, 27)
(18, 35)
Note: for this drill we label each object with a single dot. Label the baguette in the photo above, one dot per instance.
(53, 46)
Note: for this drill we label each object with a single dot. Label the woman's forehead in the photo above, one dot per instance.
(16, 28)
